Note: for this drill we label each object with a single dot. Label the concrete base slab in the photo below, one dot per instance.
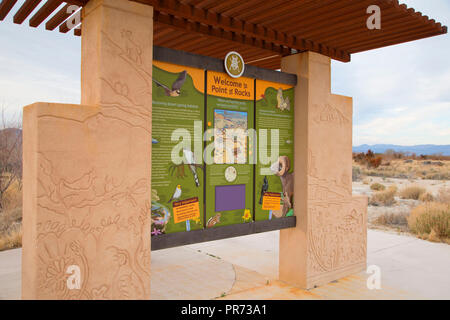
(10, 274)
(182, 273)
(246, 268)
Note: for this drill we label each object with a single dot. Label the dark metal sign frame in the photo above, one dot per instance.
(170, 240)
(176, 239)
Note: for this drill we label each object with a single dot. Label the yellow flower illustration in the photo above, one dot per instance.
(197, 220)
(247, 215)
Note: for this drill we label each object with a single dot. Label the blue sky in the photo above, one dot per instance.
(401, 93)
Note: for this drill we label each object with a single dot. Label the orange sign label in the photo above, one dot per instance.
(222, 85)
(186, 210)
(271, 201)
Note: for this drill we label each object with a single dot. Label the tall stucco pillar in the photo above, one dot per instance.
(330, 239)
(87, 168)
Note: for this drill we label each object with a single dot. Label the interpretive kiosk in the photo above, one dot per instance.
(170, 92)
(222, 153)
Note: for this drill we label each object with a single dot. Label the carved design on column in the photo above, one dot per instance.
(93, 172)
(329, 241)
(329, 114)
(336, 238)
(71, 233)
(336, 232)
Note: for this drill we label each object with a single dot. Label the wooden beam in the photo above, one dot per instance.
(58, 18)
(80, 3)
(230, 28)
(25, 10)
(5, 8)
(44, 12)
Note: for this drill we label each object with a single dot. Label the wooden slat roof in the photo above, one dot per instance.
(262, 31)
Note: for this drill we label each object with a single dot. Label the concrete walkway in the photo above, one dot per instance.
(247, 268)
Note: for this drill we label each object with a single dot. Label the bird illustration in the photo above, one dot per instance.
(283, 103)
(176, 85)
(213, 220)
(264, 189)
(189, 159)
(176, 195)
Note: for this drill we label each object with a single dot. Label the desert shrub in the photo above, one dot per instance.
(368, 159)
(11, 239)
(431, 217)
(356, 173)
(367, 181)
(9, 218)
(393, 188)
(393, 219)
(412, 192)
(433, 236)
(377, 187)
(383, 198)
(443, 195)
(359, 157)
(12, 197)
(375, 162)
(426, 197)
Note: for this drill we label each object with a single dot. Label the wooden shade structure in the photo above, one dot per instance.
(262, 31)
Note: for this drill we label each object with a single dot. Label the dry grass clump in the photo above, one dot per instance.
(356, 173)
(431, 221)
(11, 239)
(377, 187)
(410, 169)
(412, 192)
(426, 197)
(12, 198)
(10, 229)
(393, 219)
(384, 198)
(9, 218)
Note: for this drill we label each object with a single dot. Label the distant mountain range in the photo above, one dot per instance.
(425, 149)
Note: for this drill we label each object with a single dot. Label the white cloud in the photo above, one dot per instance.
(407, 127)
(401, 93)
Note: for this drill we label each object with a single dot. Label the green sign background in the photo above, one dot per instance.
(268, 116)
(170, 113)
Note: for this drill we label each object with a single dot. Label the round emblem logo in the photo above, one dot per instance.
(234, 64)
(230, 174)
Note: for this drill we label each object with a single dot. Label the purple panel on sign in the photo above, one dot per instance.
(230, 197)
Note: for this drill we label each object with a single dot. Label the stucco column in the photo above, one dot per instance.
(330, 239)
(87, 168)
